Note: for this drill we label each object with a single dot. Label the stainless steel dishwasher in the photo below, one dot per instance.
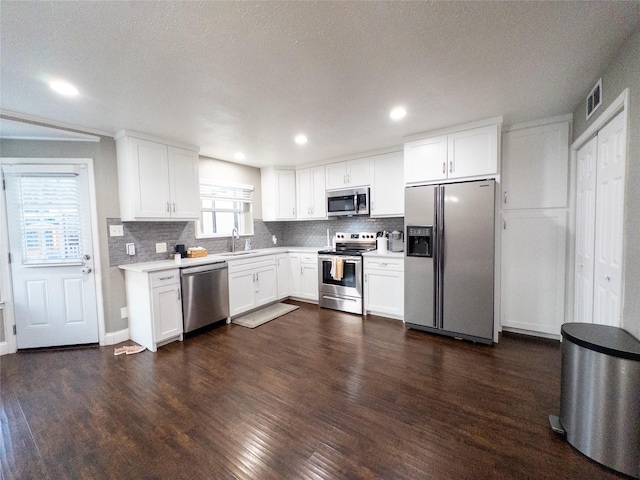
(205, 295)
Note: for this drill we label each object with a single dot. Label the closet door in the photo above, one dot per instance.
(585, 231)
(609, 225)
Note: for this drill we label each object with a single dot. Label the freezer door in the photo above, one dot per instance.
(419, 287)
(468, 258)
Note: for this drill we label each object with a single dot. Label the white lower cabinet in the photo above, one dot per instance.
(384, 286)
(533, 270)
(252, 283)
(282, 270)
(303, 269)
(155, 307)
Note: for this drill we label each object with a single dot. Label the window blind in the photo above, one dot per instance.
(49, 212)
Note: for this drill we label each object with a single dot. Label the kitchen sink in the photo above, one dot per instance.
(234, 254)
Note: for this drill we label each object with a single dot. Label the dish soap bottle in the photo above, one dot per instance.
(247, 244)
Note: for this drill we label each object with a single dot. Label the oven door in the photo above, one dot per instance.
(351, 282)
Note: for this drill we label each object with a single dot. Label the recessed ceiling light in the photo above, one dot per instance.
(301, 139)
(397, 113)
(64, 88)
(239, 156)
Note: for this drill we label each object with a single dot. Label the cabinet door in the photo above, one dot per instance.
(533, 261)
(266, 289)
(535, 165)
(286, 194)
(473, 152)
(295, 287)
(184, 183)
(336, 175)
(241, 292)
(167, 312)
(304, 193)
(151, 179)
(318, 192)
(387, 185)
(425, 160)
(359, 172)
(283, 274)
(309, 283)
(384, 292)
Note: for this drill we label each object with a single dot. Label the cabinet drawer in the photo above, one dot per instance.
(251, 263)
(164, 277)
(394, 264)
(308, 258)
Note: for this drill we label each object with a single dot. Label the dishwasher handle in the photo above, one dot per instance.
(203, 269)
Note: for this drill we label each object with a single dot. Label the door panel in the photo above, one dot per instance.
(419, 274)
(49, 220)
(585, 231)
(468, 258)
(611, 162)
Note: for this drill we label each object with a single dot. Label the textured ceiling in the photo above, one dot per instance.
(249, 76)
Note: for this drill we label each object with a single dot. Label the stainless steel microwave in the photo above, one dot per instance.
(348, 202)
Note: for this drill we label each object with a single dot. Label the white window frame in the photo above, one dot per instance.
(244, 194)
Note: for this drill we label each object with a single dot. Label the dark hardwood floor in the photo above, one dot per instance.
(314, 394)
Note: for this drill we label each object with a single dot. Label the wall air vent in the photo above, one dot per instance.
(594, 100)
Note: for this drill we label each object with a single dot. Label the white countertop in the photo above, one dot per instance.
(144, 267)
(385, 253)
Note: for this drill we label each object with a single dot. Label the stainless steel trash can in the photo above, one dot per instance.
(600, 394)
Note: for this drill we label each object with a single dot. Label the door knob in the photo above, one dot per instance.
(86, 270)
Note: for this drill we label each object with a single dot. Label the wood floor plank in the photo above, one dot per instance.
(315, 394)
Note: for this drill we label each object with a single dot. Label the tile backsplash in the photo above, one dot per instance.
(313, 233)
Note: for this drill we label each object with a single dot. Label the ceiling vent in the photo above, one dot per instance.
(594, 100)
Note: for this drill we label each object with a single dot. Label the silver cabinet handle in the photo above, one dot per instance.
(504, 224)
(366, 277)
(178, 292)
(505, 198)
(348, 178)
(168, 207)
(451, 166)
(444, 167)
(607, 278)
(174, 208)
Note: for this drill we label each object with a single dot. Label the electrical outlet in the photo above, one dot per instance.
(161, 247)
(116, 231)
(124, 312)
(131, 248)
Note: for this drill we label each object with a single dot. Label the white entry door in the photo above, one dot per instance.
(49, 220)
(610, 179)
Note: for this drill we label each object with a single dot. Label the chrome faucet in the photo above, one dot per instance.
(234, 235)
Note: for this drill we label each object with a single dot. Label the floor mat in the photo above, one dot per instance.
(264, 315)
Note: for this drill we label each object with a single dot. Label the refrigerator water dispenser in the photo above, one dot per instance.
(419, 241)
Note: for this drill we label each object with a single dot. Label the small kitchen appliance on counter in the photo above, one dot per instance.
(340, 272)
(396, 241)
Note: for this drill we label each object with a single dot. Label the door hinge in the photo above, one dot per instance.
(15, 330)
(4, 185)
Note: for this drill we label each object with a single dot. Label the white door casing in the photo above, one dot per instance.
(585, 231)
(609, 228)
(54, 300)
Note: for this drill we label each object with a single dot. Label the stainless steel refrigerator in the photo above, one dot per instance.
(449, 259)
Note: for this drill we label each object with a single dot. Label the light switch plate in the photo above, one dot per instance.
(161, 247)
(124, 312)
(116, 231)
(131, 248)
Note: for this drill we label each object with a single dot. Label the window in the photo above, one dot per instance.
(225, 206)
(50, 219)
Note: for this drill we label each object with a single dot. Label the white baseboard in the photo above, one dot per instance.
(5, 348)
(116, 337)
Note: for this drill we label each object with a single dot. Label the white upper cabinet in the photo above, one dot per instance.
(353, 173)
(465, 154)
(157, 181)
(535, 164)
(311, 198)
(278, 194)
(425, 160)
(387, 185)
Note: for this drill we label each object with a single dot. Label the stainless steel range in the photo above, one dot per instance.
(340, 272)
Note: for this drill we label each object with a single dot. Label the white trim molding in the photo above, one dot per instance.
(113, 338)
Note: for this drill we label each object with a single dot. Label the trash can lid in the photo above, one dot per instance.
(603, 338)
